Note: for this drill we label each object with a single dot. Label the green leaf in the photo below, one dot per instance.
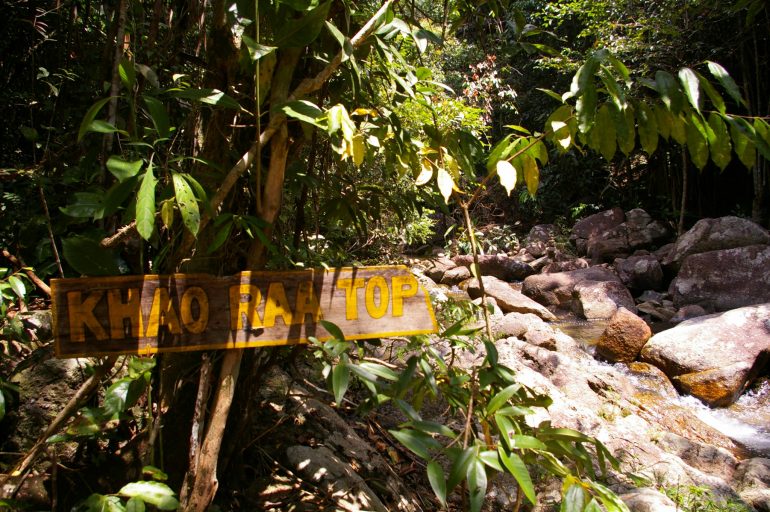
(604, 134)
(507, 174)
(305, 111)
(127, 73)
(593, 506)
(697, 145)
(523, 442)
(477, 484)
(518, 470)
(742, 145)
(721, 148)
(333, 329)
(123, 169)
(153, 472)
(437, 481)
(101, 503)
(553, 94)
(711, 92)
(502, 398)
(90, 116)
(624, 126)
(87, 204)
(648, 127)
(664, 120)
(88, 258)
(490, 458)
(380, 370)
(691, 86)
(297, 33)
(185, 200)
(17, 285)
(145, 205)
(669, 91)
(761, 137)
(678, 129)
(115, 397)
(416, 441)
(586, 108)
(584, 78)
(207, 96)
(158, 115)
(460, 462)
(256, 50)
(445, 184)
(155, 493)
(135, 505)
(340, 380)
(100, 126)
(727, 82)
(574, 499)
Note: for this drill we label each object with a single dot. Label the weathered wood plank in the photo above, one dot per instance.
(183, 312)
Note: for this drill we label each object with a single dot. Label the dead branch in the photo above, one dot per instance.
(20, 265)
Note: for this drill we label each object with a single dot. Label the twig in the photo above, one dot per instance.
(82, 394)
(50, 231)
(124, 233)
(19, 264)
(198, 421)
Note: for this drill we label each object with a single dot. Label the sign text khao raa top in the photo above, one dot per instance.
(183, 312)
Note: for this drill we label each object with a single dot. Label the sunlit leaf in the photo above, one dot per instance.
(720, 147)
(711, 92)
(663, 120)
(17, 285)
(426, 172)
(437, 480)
(155, 493)
(359, 149)
(256, 50)
(648, 127)
(691, 86)
(145, 205)
(445, 184)
(669, 91)
(507, 174)
(188, 205)
(574, 499)
(519, 471)
(604, 133)
(697, 145)
(305, 111)
(123, 169)
(727, 82)
(340, 381)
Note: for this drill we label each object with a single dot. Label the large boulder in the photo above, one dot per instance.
(752, 479)
(714, 357)
(643, 231)
(556, 289)
(715, 234)
(594, 225)
(624, 337)
(436, 268)
(725, 279)
(539, 238)
(508, 298)
(647, 499)
(598, 300)
(640, 273)
(500, 266)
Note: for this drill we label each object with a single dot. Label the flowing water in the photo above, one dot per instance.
(746, 422)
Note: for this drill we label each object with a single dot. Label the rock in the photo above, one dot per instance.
(651, 379)
(595, 225)
(647, 499)
(638, 231)
(716, 234)
(643, 231)
(509, 299)
(714, 357)
(704, 457)
(752, 481)
(595, 300)
(513, 324)
(497, 265)
(624, 337)
(436, 268)
(687, 312)
(538, 239)
(725, 279)
(652, 296)
(556, 289)
(656, 311)
(40, 323)
(640, 272)
(322, 467)
(455, 276)
(564, 266)
(609, 245)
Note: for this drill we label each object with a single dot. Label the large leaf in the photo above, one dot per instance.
(256, 50)
(436, 479)
(663, 120)
(712, 93)
(87, 204)
(305, 111)
(697, 145)
(158, 115)
(518, 470)
(88, 258)
(727, 82)
(648, 127)
(208, 96)
(297, 33)
(720, 146)
(188, 205)
(90, 116)
(742, 145)
(501, 398)
(691, 86)
(155, 493)
(145, 205)
(604, 133)
(477, 484)
(445, 184)
(507, 174)
(418, 442)
(574, 499)
(531, 174)
(340, 380)
(123, 169)
(669, 91)
(17, 285)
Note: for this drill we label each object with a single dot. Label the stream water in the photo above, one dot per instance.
(747, 421)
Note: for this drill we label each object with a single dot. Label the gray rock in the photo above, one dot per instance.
(594, 225)
(647, 499)
(640, 272)
(538, 239)
(556, 289)
(688, 312)
(724, 279)
(455, 276)
(716, 234)
(595, 300)
(716, 356)
(497, 265)
(752, 480)
(436, 268)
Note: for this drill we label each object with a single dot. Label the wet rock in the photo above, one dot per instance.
(640, 272)
(725, 279)
(595, 300)
(716, 234)
(624, 337)
(752, 480)
(508, 298)
(556, 289)
(704, 457)
(594, 225)
(647, 499)
(716, 356)
(498, 265)
(651, 379)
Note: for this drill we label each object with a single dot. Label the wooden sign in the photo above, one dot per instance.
(183, 312)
